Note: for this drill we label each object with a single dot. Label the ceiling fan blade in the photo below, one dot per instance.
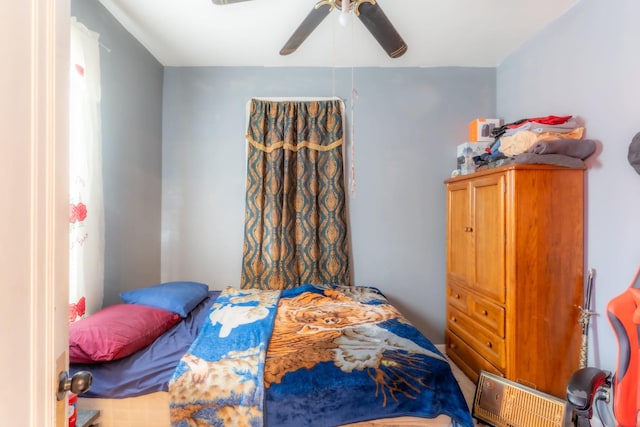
(221, 2)
(380, 27)
(313, 19)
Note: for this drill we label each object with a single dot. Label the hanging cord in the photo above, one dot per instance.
(354, 96)
(333, 59)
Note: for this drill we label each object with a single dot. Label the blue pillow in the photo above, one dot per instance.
(177, 297)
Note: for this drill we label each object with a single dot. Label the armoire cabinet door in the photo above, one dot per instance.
(458, 235)
(488, 236)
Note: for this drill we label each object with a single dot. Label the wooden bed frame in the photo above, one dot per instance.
(152, 410)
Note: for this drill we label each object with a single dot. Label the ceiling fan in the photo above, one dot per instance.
(221, 2)
(368, 11)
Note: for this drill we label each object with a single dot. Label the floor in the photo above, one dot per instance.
(466, 385)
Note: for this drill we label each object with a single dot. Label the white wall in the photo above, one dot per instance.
(588, 64)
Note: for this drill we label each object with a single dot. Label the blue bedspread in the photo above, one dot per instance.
(326, 356)
(150, 369)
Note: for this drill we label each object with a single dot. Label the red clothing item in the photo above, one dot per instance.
(547, 120)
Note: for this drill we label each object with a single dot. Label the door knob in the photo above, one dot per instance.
(79, 383)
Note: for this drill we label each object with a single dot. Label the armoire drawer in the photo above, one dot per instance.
(458, 298)
(488, 345)
(466, 358)
(490, 315)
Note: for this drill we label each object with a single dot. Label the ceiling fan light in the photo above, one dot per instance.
(344, 13)
(343, 19)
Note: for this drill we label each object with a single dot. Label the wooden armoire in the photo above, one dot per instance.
(515, 273)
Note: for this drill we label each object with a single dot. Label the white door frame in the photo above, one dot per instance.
(34, 45)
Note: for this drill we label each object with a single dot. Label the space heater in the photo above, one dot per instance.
(503, 403)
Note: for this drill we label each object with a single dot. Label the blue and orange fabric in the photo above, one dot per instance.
(312, 356)
(295, 218)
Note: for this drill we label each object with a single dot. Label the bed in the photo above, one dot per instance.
(316, 355)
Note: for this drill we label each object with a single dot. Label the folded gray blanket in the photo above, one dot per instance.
(548, 159)
(578, 148)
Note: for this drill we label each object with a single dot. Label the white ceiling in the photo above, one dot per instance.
(478, 33)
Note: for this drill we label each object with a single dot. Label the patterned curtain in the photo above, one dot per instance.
(295, 220)
(86, 206)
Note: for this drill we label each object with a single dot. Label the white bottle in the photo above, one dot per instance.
(469, 166)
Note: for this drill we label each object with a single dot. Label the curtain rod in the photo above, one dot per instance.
(298, 98)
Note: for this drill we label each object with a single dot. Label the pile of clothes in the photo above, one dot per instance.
(548, 140)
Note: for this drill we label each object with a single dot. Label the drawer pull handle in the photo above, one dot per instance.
(457, 296)
(485, 312)
(468, 229)
(453, 319)
(489, 344)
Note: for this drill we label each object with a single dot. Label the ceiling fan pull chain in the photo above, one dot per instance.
(354, 95)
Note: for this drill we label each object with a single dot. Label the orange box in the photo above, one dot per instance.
(480, 129)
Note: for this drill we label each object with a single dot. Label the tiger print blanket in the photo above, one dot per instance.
(316, 355)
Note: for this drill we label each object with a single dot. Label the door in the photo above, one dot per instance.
(458, 233)
(34, 210)
(489, 236)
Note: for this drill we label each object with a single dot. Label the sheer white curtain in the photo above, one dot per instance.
(86, 206)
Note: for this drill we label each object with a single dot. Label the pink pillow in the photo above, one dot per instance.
(117, 331)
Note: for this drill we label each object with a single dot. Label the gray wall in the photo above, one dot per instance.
(132, 139)
(407, 124)
(586, 64)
